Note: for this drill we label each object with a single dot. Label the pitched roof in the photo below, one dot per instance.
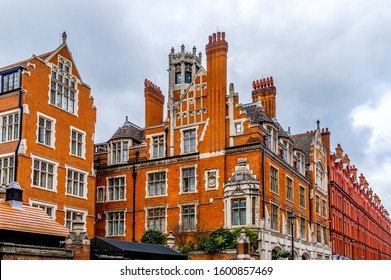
(24, 62)
(129, 130)
(257, 113)
(29, 219)
(303, 142)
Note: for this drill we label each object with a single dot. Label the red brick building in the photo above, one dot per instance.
(212, 162)
(361, 226)
(46, 135)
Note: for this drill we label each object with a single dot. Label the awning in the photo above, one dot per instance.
(105, 248)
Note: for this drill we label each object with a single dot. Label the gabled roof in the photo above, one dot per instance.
(129, 131)
(29, 219)
(23, 63)
(281, 131)
(303, 142)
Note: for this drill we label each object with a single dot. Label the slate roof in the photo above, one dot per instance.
(23, 63)
(129, 130)
(29, 219)
(257, 113)
(303, 142)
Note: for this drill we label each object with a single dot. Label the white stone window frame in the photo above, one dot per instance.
(8, 156)
(182, 131)
(121, 150)
(45, 204)
(80, 171)
(76, 210)
(206, 178)
(98, 200)
(238, 124)
(229, 211)
(272, 203)
(324, 208)
(278, 179)
(83, 145)
(317, 205)
(68, 75)
(55, 172)
(7, 114)
(147, 208)
(190, 203)
(305, 197)
(108, 188)
(117, 210)
(181, 179)
(147, 181)
(305, 228)
(53, 130)
(293, 188)
(272, 138)
(151, 138)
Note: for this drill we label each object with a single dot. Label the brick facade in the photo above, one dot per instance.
(51, 146)
(213, 162)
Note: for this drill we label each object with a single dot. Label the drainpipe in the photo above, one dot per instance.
(134, 197)
(263, 180)
(20, 128)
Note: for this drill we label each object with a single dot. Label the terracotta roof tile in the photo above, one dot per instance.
(29, 219)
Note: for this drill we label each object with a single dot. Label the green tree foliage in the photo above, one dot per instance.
(153, 236)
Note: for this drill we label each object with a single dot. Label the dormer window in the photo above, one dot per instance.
(119, 152)
(10, 81)
(272, 138)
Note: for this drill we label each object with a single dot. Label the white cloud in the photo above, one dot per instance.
(377, 164)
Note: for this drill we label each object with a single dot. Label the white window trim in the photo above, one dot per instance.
(8, 155)
(46, 204)
(195, 179)
(278, 179)
(146, 208)
(305, 197)
(206, 179)
(150, 137)
(110, 159)
(6, 113)
(71, 77)
(83, 151)
(278, 216)
(67, 167)
(97, 197)
(182, 130)
(107, 188)
(81, 211)
(53, 138)
(146, 182)
(55, 168)
(107, 212)
(293, 188)
(319, 213)
(248, 212)
(190, 203)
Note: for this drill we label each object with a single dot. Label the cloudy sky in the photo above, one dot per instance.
(330, 60)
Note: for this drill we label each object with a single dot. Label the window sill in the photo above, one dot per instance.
(44, 189)
(76, 196)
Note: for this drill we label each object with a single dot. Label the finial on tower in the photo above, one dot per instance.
(318, 124)
(64, 37)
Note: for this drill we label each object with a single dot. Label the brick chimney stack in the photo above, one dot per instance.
(338, 151)
(154, 104)
(216, 59)
(265, 92)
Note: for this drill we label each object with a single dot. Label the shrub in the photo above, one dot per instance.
(250, 233)
(153, 236)
(219, 240)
